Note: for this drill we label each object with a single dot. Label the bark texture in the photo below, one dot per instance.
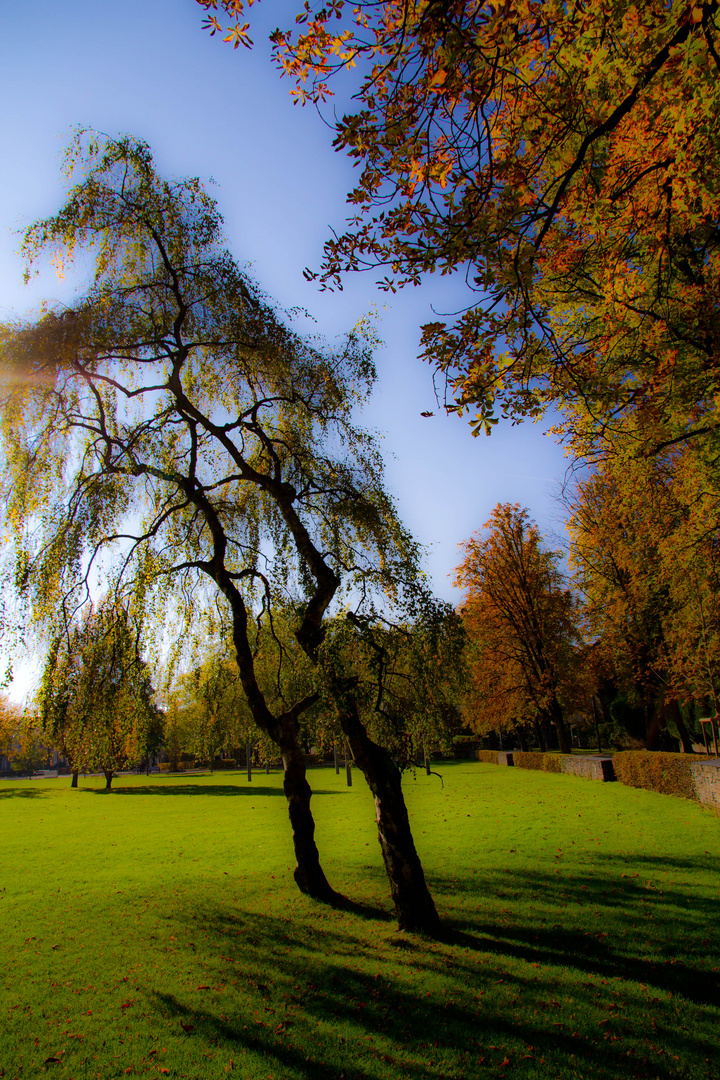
(414, 905)
(309, 875)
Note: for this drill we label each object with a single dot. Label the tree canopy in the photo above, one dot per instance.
(563, 157)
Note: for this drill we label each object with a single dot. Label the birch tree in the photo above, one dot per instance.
(169, 434)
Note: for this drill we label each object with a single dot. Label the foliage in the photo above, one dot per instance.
(564, 157)
(10, 720)
(95, 701)
(670, 774)
(29, 751)
(408, 676)
(521, 623)
(213, 711)
(644, 549)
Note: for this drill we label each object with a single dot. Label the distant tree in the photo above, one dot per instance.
(171, 428)
(214, 713)
(409, 676)
(522, 625)
(96, 698)
(644, 549)
(10, 720)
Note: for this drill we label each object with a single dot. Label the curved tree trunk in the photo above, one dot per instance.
(284, 732)
(108, 778)
(414, 905)
(309, 875)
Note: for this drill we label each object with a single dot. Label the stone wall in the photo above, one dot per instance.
(706, 775)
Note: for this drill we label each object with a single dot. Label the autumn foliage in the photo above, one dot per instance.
(521, 624)
(564, 157)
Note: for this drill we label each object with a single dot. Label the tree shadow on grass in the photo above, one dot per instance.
(613, 926)
(198, 789)
(324, 998)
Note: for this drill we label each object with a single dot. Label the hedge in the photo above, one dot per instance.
(534, 760)
(490, 757)
(670, 774)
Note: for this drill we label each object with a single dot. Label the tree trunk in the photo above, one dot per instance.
(653, 726)
(540, 736)
(674, 709)
(414, 905)
(309, 875)
(563, 733)
(74, 781)
(108, 778)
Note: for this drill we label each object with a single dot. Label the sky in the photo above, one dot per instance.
(146, 67)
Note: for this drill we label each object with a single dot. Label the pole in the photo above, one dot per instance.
(248, 758)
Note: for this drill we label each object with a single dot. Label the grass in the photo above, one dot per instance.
(156, 930)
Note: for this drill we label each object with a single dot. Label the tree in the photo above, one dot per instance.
(563, 157)
(171, 430)
(644, 549)
(96, 698)
(214, 714)
(10, 725)
(521, 623)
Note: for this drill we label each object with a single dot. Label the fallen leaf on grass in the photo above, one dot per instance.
(202, 988)
(187, 1027)
(52, 1061)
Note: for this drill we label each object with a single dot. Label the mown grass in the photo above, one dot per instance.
(156, 930)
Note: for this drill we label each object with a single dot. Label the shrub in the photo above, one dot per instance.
(670, 774)
(164, 766)
(227, 763)
(551, 763)
(490, 757)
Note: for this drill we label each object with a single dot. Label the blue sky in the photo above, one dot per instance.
(148, 68)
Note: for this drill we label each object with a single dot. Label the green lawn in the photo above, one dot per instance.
(156, 930)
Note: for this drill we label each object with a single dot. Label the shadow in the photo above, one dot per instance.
(197, 789)
(627, 928)
(22, 793)
(299, 991)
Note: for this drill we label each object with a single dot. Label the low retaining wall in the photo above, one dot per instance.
(593, 767)
(588, 766)
(686, 775)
